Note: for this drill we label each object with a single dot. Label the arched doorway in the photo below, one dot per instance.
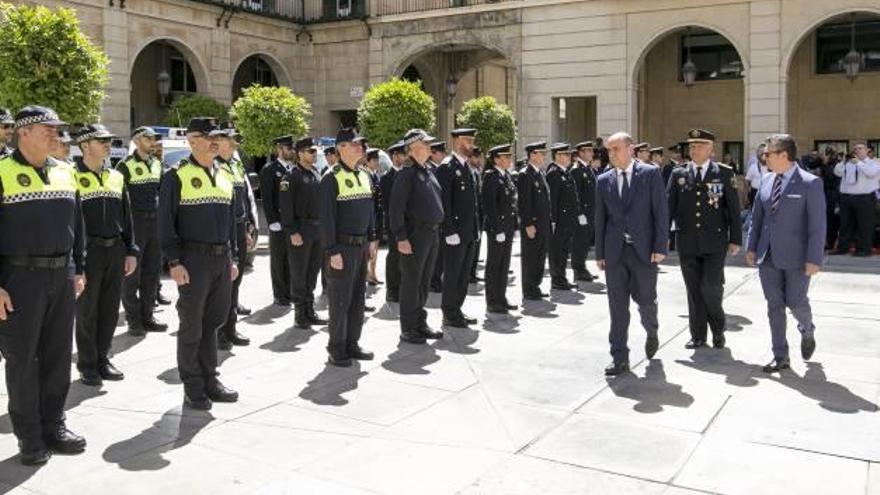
(454, 74)
(163, 70)
(827, 107)
(708, 94)
(256, 69)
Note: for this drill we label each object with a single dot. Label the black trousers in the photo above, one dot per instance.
(560, 248)
(456, 276)
(203, 307)
(532, 260)
(437, 276)
(497, 265)
(630, 277)
(704, 280)
(305, 266)
(279, 266)
(857, 221)
(97, 309)
(346, 293)
(139, 289)
(415, 277)
(392, 272)
(477, 245)
(229, 327)
(36, 340)
(580, 248)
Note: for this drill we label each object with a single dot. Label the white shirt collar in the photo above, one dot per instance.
(536, 169)
(460, 158)
(628, 168)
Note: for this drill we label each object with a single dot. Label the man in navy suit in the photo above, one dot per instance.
(787, 239)
(632, 234)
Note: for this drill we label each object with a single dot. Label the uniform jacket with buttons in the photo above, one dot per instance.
(459, 193)
(585, 181)
(564, 202)
(534, 201)
(270, 184)
(706, 213)
(499, 198)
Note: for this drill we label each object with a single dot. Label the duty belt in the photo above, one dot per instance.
(352, 240)
(50, 262)
(103, 241)
(205, 248)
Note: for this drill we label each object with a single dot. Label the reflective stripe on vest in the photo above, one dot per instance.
(196, 187)
(353, 185)
(142, 173)
(110, 185)
(22, 183)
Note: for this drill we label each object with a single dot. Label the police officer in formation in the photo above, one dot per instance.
(348, 234)
(142, 172)
(643, 152)
(416, 211)
(270, 186)
(111, 254)
(397, 153)
(535, 223)
(565, 214)
(42, 243)
(197, 235)
(438, 155)
(499, 199)
(585, 182)
(300, 203)
(61, 151)
(475, 163)
(7, 123)
(230, 163)
(704, 205)
(459, 230)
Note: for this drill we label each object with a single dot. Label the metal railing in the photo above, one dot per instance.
(299, 11)
(392, 7)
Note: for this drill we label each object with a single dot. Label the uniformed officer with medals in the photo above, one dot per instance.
(536, 228)
(565, 213)
(270, 183)
(585, 181)
(500, 209)
(705, 207)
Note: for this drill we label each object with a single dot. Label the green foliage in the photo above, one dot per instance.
(493, 121)
(263, 113)
(188, 106)
(46, 60)
(391, 108)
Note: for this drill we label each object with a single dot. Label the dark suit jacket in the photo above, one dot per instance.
(643, 214)
(459, 199)
(270, 178)
(534, 201)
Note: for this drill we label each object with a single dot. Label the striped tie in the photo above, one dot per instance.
(776, 195)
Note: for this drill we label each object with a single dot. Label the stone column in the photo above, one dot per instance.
(116, 110)
(765, 81)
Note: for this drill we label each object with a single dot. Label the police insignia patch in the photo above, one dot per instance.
(284, 185)
(349, 183)
(695, 133)
(307, 179)
(23, 180)
(84, 181)
(196, 182)
(681, 181)
(139, 171)
(458, 173)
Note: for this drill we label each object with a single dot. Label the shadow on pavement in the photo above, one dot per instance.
(651, 392)
(267, 315)
(411, 359)
(328, 386)
(130, 455)
(830, 396)
(290, 340)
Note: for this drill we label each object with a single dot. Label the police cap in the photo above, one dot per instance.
(536, 146)
(6, 116)
(700, 136)
(35, 114)
(500, 150)
(463, 132)
(203, 125)
(92, 131)
(305, 143)
(145, 131)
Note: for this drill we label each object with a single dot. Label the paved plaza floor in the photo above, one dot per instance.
(515, 405)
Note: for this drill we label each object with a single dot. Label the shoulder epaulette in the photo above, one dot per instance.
(724, 165)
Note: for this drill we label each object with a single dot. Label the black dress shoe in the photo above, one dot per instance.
(314, 319)
(455, 322)
(651, 346)
(615, 369)
(360, 354)
(218, 392)
(369, 309)
(136, 328)
(33, 455)
(695, 344)
(154, 326)
(239, 339)
(545, 294)
(374, 283)
(777, 365)
(511, 307)
(109, 372)
(64, 441)
(339, 360)
(497, 310)
(242, 311)
(469, 320)
(223, 343)
(430, 333)
(534, 297)
(91, 378)
(303, 325)
(202, 403)
(413, 337)
(719, 341)
(281, 302)
(563, 286)
(808, 346)
(164, 301)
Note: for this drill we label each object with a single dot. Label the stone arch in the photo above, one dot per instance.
(277, 67)
(807, 28)
(196, 62)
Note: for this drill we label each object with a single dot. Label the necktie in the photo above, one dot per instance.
(699, 173)
(625, 189)
(776, 194)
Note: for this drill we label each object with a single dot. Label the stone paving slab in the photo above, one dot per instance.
(515, 405)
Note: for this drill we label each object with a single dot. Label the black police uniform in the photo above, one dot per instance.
(197, 230)
(243, 215)
(41, 248)
(534, 211)
(437, 275)
(392, 258)
(500, 208)
(139, 289)
(478, 243)
(585, 182)
(300, 203)
(279, 264)
(416, 211)
(459, 195)
(564, 213)
(109, 230)
(707, 218)
(347, 228)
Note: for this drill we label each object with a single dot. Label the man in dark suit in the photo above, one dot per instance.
(270, 184)
(632, 232)
(787, 240)
(704, 205)
(535, 224)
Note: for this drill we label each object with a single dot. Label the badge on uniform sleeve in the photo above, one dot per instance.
(284, 185)
(458, 173)
(23, 180)
(138, 171)
(196, 182)
(84, 181)
(349, 183)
